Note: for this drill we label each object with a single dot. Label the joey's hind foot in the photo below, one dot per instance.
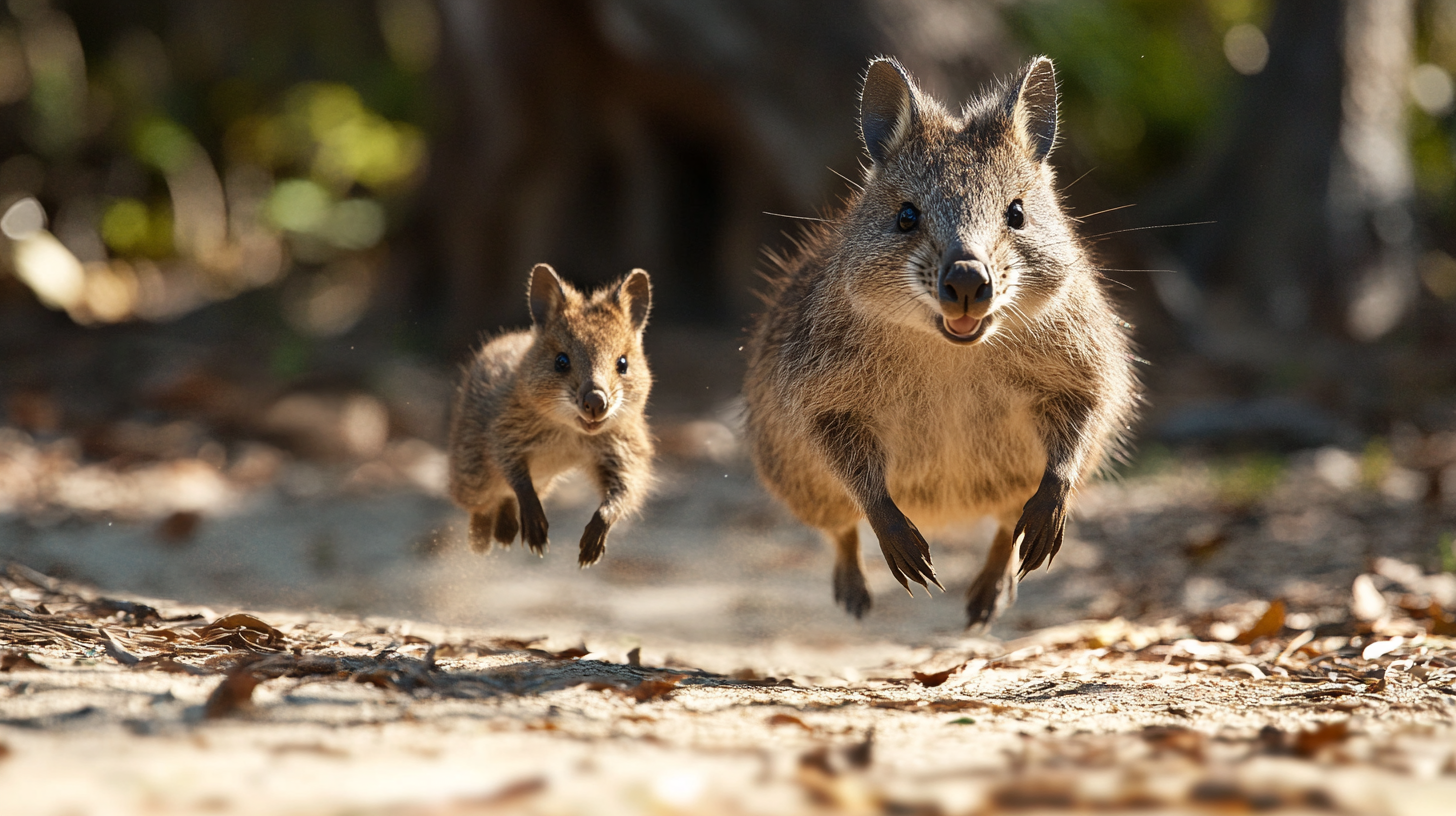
(481, 525)
(507, 522)
(850, 590)
(593, 541)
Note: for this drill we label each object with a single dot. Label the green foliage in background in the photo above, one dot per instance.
(1142, 81)
(190, 152)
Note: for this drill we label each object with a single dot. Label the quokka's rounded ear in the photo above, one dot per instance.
(1033, 106)
(886, 107)
(547, 293)
(637, 289)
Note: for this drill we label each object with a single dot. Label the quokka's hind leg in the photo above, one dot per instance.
(850, 590)
(507, 521)
(994, 590)
(481, 526)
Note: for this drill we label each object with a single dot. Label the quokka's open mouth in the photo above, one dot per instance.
(964, 330)
(591, 425)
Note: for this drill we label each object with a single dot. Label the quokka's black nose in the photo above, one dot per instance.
(594, 404)
(965, 282)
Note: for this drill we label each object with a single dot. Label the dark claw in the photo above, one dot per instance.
(593, 541)
(1042, 522)
(533, 527)
(905, 549)
(850, 590)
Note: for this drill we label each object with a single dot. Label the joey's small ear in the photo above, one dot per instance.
(547, 293)
(886, 108)
(637, 288)
(1033, 107)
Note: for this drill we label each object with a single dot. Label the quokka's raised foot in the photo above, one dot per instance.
(568, 394)
(942, 349)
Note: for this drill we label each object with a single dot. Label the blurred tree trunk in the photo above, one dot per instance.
(1311, 190)
(602, 136)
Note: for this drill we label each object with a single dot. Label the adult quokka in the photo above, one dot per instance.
(942, 349)
(569, 393)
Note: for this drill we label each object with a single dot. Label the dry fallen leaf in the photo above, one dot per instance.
(1311, 742)
(653, 689)
(1269, 624)
(934, 679)
(243, 631)
(11, 661)
(234, 691)
(789, 719)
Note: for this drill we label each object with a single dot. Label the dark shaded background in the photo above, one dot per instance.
(212, 206)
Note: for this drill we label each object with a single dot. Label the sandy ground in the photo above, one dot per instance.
(397, 672)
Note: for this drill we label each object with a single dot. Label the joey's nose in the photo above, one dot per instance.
(594, 405)
(966, 283)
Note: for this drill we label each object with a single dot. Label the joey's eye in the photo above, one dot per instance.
(622, 364)
(563, 363)
(909, 217)
(1015, 215)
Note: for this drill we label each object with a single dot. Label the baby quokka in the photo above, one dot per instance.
(568, 393)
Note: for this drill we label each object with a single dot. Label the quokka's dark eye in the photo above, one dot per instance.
(563, 363)
(622, 364)
(1015, 215)
(909, 217)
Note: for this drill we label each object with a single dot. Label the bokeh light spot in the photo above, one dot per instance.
(354, 224)
(126, 226)
(1432, 90)
(23, 219)
(1246, 49)
(298, 205)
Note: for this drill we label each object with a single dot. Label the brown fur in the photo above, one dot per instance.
(862, 403)
(520, 422)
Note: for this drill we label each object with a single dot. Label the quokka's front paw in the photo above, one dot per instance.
(1043, 520)
(905, 549)
(594, 540)
(533, 528)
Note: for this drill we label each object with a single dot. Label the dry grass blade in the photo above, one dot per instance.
(115, 652)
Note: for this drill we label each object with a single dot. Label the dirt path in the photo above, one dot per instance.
(126, 708)
(702, 667)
